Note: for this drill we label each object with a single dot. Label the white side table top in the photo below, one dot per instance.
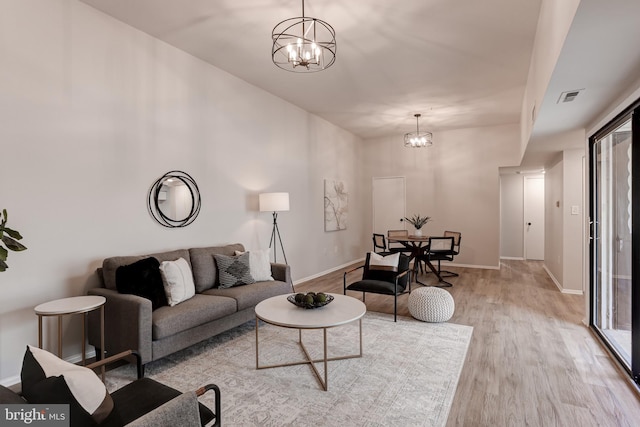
(278, 311)
(70, 305)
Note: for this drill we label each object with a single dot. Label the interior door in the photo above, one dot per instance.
(534, 218)
(388, 204)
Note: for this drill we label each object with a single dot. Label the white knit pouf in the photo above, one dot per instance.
(431, 304)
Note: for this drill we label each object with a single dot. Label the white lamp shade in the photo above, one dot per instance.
(274, 202)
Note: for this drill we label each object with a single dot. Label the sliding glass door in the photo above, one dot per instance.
(614, 213)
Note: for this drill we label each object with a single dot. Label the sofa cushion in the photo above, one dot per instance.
(110, 265)
(250, 295)
(48, 379)
(204, 266)
(259, 263)
(177, 280)
(142, 278)
(233, 270)
(193, 312)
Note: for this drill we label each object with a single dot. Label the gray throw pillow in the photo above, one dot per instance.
(233, 270)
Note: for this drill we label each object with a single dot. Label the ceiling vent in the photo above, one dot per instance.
(569, 96)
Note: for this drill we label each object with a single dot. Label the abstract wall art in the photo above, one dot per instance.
(336, 205)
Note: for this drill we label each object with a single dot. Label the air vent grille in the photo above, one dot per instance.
(569, 96)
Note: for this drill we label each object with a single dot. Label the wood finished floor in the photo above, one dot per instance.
(531, 361)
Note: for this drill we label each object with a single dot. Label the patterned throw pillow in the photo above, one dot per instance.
(233, 270)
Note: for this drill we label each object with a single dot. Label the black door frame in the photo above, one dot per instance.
(634, 111)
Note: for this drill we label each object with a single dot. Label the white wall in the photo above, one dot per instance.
(564, 230)
(94, 111)
(573, 223)
(553, 207)
(456, 181)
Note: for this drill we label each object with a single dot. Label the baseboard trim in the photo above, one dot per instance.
(514, 258)
(559, 286)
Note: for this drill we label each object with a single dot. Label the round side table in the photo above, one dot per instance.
(67, 306)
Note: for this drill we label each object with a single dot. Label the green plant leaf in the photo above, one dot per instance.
(3, 254)
(12, 244)
(3, 266)
(13, 233)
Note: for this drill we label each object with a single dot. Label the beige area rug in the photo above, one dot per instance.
(407, 376)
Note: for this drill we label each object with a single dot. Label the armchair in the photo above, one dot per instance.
(386, 275)
(48, 380)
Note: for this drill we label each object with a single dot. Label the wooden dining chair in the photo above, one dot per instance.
(395, 246)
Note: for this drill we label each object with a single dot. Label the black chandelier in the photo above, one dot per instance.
(418, 139)
(303, 44)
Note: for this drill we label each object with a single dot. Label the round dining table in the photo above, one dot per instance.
(419, 247)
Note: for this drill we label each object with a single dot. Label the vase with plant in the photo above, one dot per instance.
(418, 222)
(8, 238)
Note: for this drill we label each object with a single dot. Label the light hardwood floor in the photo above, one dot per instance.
(531, 361)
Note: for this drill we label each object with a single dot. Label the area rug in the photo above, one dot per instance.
(407, 375)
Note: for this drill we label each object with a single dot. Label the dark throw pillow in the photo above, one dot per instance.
(46, 379)
(142, 278)
(233, 270)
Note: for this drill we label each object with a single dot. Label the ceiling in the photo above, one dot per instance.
(460, 64)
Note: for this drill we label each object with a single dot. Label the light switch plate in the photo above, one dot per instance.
(575, 210)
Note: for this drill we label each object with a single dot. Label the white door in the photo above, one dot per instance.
(388, 204)
(534, 218)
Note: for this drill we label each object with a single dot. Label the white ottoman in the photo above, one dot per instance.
(431, 304)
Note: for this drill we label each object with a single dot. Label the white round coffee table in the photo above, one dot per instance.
(280, 312)
(72, 305)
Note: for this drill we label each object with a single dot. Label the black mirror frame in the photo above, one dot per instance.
(154, 207)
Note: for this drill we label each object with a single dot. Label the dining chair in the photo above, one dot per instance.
(395, 246)
(441, 249)
(457, 237)
(380, 244)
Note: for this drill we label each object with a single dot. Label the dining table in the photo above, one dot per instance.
(418, 247)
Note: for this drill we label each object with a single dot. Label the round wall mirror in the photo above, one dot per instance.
(174, 199)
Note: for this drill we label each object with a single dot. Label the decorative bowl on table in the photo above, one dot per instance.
(310, 299)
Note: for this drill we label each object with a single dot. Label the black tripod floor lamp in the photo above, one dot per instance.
(275, 202)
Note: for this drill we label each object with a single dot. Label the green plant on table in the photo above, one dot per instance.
(418, 221)
(9, 238)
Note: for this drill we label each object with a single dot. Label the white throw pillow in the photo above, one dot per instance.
(379, 262)
(259, 264)
(177, 280)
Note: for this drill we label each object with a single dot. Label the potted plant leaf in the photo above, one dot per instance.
(8, 238)
(418, 222)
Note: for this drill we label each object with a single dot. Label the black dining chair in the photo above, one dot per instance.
(440, 249)
(457, 237)
(380, 244)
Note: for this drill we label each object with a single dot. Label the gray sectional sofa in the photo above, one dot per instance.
(131, 324)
